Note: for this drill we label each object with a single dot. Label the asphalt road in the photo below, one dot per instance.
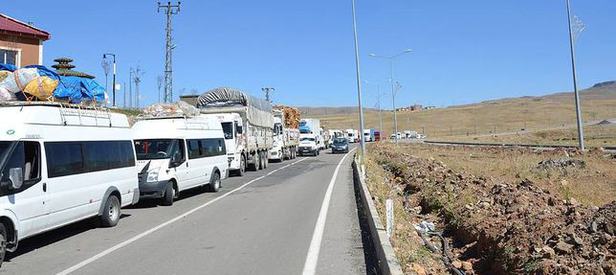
(266, 222)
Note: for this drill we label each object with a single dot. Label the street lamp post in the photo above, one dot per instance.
(113, 86)
(579, 27)
(357, 71)
(393, 85)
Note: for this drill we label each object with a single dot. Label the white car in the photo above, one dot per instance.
(60, 164)
(308, 145)
(175, 154)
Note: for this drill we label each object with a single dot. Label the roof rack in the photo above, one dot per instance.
(68, 110)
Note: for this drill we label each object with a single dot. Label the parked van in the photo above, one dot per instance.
(177, 153)
(60, 164)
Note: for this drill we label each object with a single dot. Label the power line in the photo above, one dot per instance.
(170, 9)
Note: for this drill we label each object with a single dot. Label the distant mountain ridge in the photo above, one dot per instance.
(601, 90)
(307, 111)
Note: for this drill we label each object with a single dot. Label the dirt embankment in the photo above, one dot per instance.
(503, 227)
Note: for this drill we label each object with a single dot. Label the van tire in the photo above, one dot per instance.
(169, 195)
(3, 243)
(215, 183)
(111, 212)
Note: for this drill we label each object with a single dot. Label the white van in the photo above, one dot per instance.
(60, 164)
(177, 153)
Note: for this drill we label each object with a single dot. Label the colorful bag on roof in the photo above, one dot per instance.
(41, 87)
(17, 80)
(4, 75)
(5, 95)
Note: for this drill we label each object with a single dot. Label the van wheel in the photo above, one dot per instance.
(167, 199)
(111, 212)
(3, 237)
(214, 185)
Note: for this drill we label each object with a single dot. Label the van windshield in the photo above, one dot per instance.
(307, 139)
(154, 148)
(227, 128)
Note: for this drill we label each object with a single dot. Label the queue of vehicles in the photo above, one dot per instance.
(61, 163)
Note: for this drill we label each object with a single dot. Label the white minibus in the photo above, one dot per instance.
(60, 164)
(179, 153)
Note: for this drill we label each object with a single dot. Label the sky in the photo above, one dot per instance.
(463, 51)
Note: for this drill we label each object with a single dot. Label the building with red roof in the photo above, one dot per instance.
(21, 43)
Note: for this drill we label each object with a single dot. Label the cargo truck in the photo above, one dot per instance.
(248, 125)
(312, 126)
(286, 137)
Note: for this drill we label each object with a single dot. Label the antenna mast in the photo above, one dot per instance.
(170, 10)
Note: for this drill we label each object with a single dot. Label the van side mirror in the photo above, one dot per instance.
(16, 177)
(240, 129)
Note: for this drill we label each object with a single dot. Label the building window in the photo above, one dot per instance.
(8, 57)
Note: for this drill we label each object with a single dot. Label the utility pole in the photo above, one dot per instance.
(267, 92)
(170, 10)
(124, 95)
(130, 89)
(357, 71)
(575, 28)
(394, 85)
(378, 90)
(114, 76)
(159, 82)
(137, 78)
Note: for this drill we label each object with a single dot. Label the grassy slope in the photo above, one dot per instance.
(498, 116)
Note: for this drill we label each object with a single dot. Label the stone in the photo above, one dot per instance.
(573, 202)
(467, 266)
(548, 252)
(562, 247)
(457, 264)
(418, 269)
(576, 239)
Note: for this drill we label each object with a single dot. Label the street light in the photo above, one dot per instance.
(114, 76)
(379, 96)
(575, 28)
(361, 110)
(393, 88)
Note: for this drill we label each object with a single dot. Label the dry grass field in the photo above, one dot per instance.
(516, 117)
(474, 195)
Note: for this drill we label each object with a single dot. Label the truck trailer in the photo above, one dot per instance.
(248, 125)
(286, 136)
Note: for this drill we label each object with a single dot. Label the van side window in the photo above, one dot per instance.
(69, 158)
(213, 147)
(27, 157)
(193, 149)
(64, 158)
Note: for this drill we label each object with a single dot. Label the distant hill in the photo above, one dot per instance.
(493, 116)
(602, 90)
(308, 111)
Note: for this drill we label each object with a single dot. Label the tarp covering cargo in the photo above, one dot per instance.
(179, 108)
(258, 111)
(35, 82)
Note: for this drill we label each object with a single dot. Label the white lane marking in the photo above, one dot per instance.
(310, 266)
(152, 230)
